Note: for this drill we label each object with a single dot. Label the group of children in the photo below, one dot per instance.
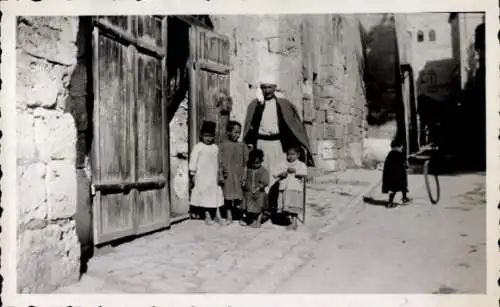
(231, 176)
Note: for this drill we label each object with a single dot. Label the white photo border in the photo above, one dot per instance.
(11, 9)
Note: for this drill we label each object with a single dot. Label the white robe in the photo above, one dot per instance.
(204, 164)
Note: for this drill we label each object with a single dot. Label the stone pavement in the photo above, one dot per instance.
(194, 258)
(419, 248)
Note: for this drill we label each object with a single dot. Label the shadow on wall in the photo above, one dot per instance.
(380, 64)
(471, 119)
(177, 67)
(80, 105)
(455, 116)
(437, 84)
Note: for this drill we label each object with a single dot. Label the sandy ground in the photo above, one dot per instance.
(419, 248)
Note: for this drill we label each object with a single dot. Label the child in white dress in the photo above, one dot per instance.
(291, 173)
(203, 171)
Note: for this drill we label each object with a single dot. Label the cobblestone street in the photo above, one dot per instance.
(194, 258)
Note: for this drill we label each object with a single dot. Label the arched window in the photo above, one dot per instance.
(432, 35)
(420, 36)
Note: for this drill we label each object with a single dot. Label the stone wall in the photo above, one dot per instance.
(48, 250)
(317, 63)
(337, 117)
(268, 43)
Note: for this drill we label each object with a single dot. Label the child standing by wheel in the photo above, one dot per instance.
(254, 195)
(203, 171)
(394, 177)
(291, 174)
(233, 156)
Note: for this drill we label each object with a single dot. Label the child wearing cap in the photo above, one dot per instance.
(203, 170)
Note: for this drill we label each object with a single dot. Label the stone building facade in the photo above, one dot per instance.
(318, 64)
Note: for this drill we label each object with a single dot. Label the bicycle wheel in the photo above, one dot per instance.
(431, 182)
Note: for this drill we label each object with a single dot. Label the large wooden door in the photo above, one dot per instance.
(210, 67)
(130, 147)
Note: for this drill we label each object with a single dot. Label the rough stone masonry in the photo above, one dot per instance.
(48, 250)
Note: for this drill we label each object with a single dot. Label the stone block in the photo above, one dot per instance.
(47, 258)
(353, 130)
(328, 91)
(38, 83)
(330, 116)
(327, 149)
(320, 116)
(55, 135)
(46, 42)
(343, 106)
(333, 131)
(61, 189)
(317, 131)
(324, 103)
(309, 111)
(31, 193)
(356, 153)
(335, 117)
(327, 165)
(307, 90)
(25, 133)
(341, 164)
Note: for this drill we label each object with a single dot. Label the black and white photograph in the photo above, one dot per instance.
(334, 153)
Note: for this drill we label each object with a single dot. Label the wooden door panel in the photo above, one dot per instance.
(150, 29)
(114, 111)
(120, 22)
(130, 149)
(149, 118)
(210, 58)
(115, 218)
(151, 213)
(152, 204)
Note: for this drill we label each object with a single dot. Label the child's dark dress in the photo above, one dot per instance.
(255, 178)
(232, 160)
(394, 177)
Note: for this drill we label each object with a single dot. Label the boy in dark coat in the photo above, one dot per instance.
(394, 177)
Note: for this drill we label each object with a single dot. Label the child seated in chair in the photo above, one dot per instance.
(291, 173)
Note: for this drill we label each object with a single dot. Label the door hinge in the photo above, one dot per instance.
(92, 190)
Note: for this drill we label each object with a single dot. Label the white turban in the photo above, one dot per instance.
(268, 78)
